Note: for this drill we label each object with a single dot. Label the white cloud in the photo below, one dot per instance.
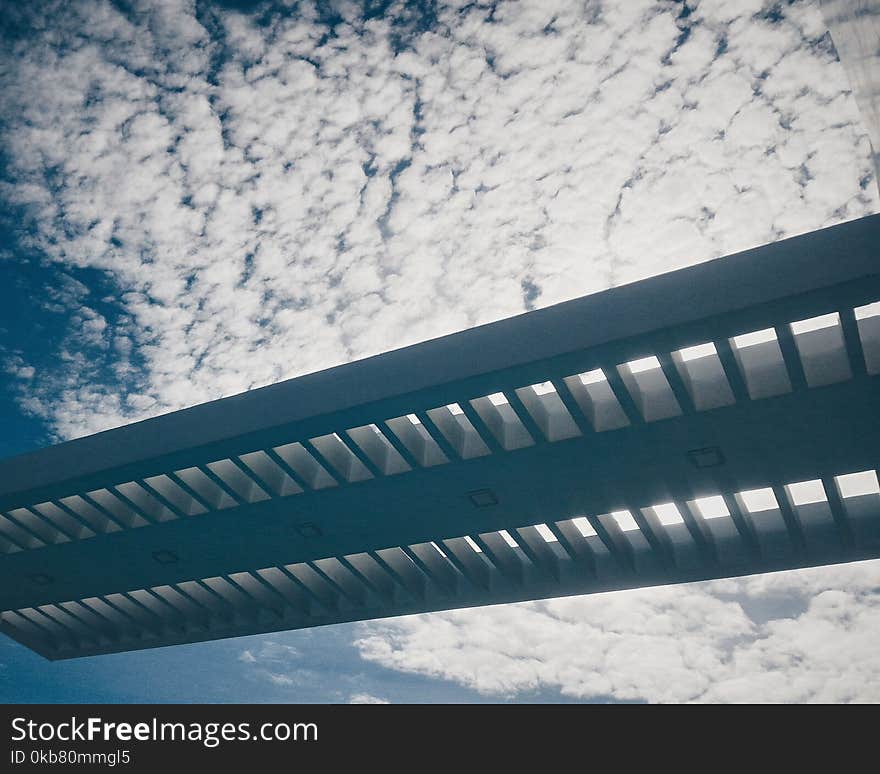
(279, 664)
(270, 651)
(270, 199)
(366, 698)
(805, 635)
(281, 679)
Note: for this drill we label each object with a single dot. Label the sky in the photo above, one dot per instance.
(199, 198)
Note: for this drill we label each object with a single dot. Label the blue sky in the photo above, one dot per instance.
(200, 198)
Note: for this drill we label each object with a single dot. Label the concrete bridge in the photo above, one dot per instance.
(715, 421)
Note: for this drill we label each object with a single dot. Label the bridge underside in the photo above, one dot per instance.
(717, 421)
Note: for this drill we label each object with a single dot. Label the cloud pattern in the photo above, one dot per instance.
(229, 198)
(269, 193)
(806, 635)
